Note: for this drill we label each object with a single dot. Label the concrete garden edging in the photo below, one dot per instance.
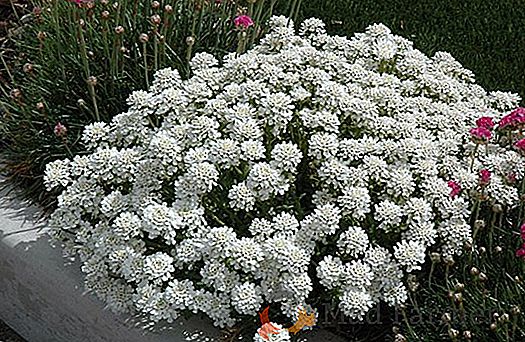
(44, 300)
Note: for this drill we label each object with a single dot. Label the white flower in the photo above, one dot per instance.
(355, 303)
(330, 271)
(246, 298)
(410, 254)
(353, 241)
(57, 174)
(159, 266)
(286, 157)
(241, 197)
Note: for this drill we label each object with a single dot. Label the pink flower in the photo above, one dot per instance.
(515, 118)
(244, 21)
(480, 134)
(60, 130)
(485, 122)
(520, 145)
(484, 177)
(520, 253)
(522, 231)
(455, 188)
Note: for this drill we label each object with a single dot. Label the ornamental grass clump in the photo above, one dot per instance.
(311, 168)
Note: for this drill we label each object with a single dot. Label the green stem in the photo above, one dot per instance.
(145, 57)
(7, 68)
(91, 88)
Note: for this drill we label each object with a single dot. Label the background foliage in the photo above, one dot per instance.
(75, 62)
(486, 37)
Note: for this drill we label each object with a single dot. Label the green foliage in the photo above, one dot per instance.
(77, 63)
(486, 37)
(481, 293)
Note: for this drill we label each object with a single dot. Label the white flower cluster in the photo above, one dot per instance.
(220, 193)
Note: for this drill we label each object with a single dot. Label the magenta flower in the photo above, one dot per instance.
(455, 189)
(520, 145)
(480, 135)
(484, 177)
(485, 122)
(512, 120)
(522, 231)
(520, 253)
(511, 177)
(243, 21)
(60, 130)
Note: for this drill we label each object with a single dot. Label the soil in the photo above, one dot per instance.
(8, 335)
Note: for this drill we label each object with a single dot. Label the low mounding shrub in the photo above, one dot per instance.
(76, 62)
(311, 168)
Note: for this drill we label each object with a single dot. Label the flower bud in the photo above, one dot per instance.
(399, 338)
(155, 19)
(123, 49)
(483, 277)
(60, 130)
(467, 335)
(449, 260)
(435, 257)
(460, 287)
(81, 102)
(40, 106)
(447, 318)
(82, 22)
(143, 38)
(27, 68)
(479, 224)
(41, 35)
(155, 4)
(453, 333)
(16, 93)
(498, 249)
(497, 208)
(119, 30)
(168, 9)
(458, 298)
(190, 40)
(104, 14)
(515, 311)
(474, 271)
(104, 2)
(115, 5)
(482, 250)
(493, 326)
(92, 81)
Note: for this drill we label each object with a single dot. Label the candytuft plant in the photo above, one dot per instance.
(311, 168)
